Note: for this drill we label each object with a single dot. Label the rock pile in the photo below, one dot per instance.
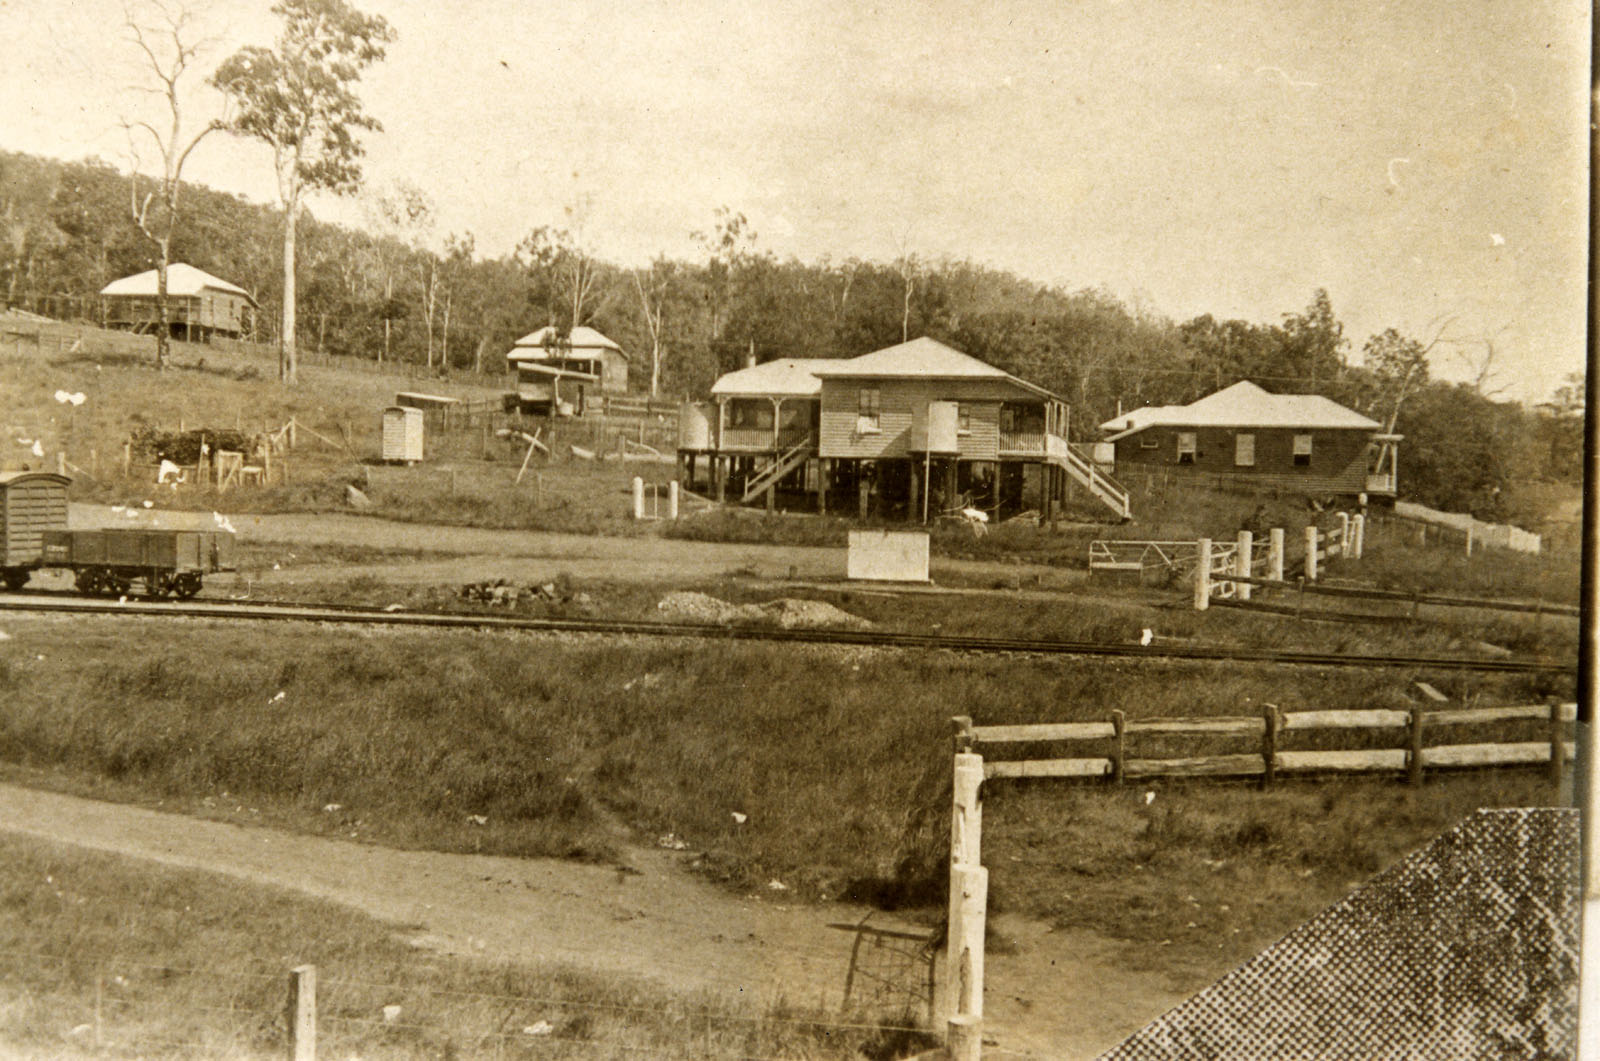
(787, 613)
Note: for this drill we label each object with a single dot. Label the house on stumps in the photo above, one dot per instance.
(913, 431)
(558, 372)
(199, 305)
(1244, 437)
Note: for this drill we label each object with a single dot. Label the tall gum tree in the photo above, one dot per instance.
(299, 98)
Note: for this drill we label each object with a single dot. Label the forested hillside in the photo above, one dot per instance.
(396, 290)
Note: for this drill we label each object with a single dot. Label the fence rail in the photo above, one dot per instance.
(1412, 757)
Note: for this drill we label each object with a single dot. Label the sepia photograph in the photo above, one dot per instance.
(796, 530)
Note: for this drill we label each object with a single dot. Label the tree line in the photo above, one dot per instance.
(394, 288)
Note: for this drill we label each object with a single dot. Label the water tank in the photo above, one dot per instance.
(694, 425)
(944, 421)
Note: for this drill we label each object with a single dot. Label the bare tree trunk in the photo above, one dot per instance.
(444, 338)
(288, 361)
(164, 335)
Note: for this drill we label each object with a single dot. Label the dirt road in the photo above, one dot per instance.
(531, 555)
(1051, 994)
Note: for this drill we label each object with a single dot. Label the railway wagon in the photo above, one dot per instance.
(31, 503)
(167, 562)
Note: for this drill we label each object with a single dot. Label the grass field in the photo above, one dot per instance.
(103, 958)
(838, 758)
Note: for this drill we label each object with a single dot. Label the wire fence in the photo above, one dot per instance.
(116, 1005)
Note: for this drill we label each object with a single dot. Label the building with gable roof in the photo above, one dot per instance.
(558, 371)
(919, 429)
(199, 305)
(1245, 436)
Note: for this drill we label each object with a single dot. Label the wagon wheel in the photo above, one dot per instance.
(186, 585)
(15, 578)
(88, 580)
(158, 584)
(115, 585)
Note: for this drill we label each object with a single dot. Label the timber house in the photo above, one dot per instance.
(1244, 437)
(199, 305)
(913, 431)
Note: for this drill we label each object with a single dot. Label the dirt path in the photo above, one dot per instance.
(1051, 994)
(534, 555)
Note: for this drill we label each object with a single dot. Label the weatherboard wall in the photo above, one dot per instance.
(1339, 460)
(903, 407)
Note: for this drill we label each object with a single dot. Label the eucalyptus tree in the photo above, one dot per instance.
(298, 97)
(166, 40)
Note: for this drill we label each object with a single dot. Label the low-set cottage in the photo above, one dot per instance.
(199, 305)
(1244, 436)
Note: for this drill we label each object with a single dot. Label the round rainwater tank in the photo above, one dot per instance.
(944, 421)
(694, 425)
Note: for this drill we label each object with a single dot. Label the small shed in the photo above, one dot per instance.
(30, 504)
(579, 352)
(402, 434)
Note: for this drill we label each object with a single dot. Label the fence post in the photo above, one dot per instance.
(1344, 534)
(1414, 748)
(1275, 554)
(1311, 553)
(638, 497)
(1358, 528)
(1119, 746)
(1202, 575)
(1557, 748)
(969, 896)
(1241, 564)
(302, 1015)
(1469, 539)
(1269, 744)
(966, 1038)
(672, 500)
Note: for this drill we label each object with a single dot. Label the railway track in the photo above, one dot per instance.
(356, 614)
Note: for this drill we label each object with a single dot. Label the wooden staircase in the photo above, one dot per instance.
(787, 461)
(1105, 489)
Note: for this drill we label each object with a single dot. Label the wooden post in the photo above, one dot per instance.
(1469, 539)
(1241, 564)
(1202, 575)
(1358, 528)
(969, 898)
(1311, 553)
(1275, 554)
(638, 498)
(862, 492)
(966, 810)
(302, 1014)
(822, 488)
(1269, 744)
(964, 1040)
(1557, 748)
(1119, 746)
(538, 489)
(672, 500)
(1414, 748)
(1344, 534)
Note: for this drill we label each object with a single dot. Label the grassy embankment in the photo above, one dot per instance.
(837, 758)
(103, 958)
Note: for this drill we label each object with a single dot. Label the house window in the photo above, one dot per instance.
(1186, 447)
(963, 419)
(1244, 451)
(1302, 451)
(868, 411)
(1149, 442)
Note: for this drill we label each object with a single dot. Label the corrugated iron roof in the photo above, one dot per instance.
(923, 358)
(582, 338)
(787, 377)
(182, 280)
(1243, 405)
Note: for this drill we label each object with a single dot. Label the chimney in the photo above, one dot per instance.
(750, 358)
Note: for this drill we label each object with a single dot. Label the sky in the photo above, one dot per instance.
(1425, 161)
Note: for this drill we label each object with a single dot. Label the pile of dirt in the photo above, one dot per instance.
(787, 612)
